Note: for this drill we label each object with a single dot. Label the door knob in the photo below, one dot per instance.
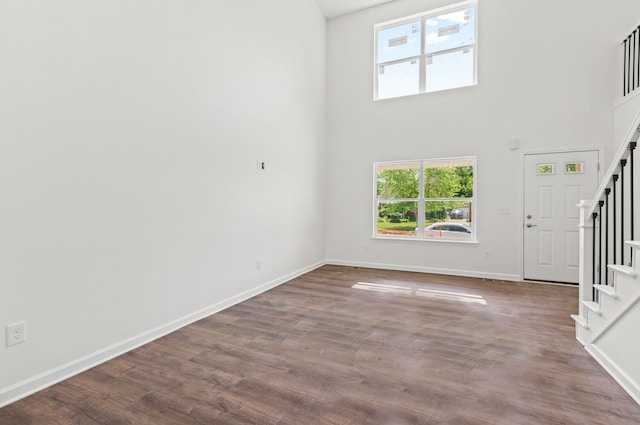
(531, 225)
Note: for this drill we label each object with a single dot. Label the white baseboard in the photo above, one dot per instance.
(434, 270)
(621, 377)
(39, 382)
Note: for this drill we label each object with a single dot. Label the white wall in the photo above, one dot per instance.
(129, 135)
(546, 76)
(626, 115)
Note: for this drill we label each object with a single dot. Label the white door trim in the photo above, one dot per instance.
(523, 154)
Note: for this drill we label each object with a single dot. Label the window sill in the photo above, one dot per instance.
(428, 240)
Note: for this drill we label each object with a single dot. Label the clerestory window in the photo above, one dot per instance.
(427, 52)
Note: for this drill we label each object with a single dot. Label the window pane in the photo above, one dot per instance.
(448, 220)
(441, 208)
(450, 30)
(397, 218)
(399, 42)
(448, 179)
(398, 79)
(450, 70)
(397, 181)
(545, 169)
(573, 167)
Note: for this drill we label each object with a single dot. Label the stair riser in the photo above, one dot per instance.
(611, 305)
(596, 322)
(583, 335)
(627, 288)
(610, 309)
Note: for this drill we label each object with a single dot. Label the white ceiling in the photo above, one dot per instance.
(333, 8)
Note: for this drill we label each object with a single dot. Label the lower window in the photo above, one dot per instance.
(430, 199)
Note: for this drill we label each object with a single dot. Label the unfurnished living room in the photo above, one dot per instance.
(318, 212)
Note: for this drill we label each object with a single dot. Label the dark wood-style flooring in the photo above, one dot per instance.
(344, 345)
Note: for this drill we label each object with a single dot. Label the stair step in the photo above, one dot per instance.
(606, 289)
(580, 320)
(633, 244)
(593, 306)
(623, 269)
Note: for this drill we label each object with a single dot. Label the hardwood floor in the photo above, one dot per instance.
(344, 345)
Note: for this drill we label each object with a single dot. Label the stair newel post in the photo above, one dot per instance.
(586, 257)
(632, 147)
(607, 191)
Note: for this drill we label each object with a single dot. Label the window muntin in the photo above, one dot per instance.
(437, 50)
(427, 199)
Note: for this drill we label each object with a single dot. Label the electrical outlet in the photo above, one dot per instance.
(258, 264)
(16, 333)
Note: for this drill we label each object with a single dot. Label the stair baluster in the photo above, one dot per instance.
(624, 68)
(623, 163)
(615, 223)
(629, 65)
(593, 256)
(637, 63)
(607, 191)
(633, 73)
(600, 204)
(632, 147)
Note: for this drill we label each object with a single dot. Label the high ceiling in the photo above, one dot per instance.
(333, 8)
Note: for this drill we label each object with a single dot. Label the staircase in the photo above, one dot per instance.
(608, 326)
(608, 319)
(613, 303)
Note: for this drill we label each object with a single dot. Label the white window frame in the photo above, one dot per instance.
(423, 56)
(421, 200)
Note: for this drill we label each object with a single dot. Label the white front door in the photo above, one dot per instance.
(553, 184)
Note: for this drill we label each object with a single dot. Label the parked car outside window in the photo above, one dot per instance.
(448, 230)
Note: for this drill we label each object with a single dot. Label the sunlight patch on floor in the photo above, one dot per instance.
(420, 292)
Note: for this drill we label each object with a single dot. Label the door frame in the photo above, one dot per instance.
(523, 154)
